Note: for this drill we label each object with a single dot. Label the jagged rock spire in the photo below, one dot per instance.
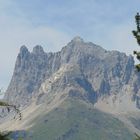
(77, 39)
(38, 49)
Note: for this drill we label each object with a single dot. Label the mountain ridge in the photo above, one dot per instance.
(81, 72)
(102, 69)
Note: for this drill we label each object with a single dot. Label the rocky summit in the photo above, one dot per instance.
(83, 75)
(81, 68)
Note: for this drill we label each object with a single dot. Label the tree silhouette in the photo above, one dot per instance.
(5, 136)
(136, 34)
(137, 137)
(10, 106)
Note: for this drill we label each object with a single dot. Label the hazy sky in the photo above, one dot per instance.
(53, 23)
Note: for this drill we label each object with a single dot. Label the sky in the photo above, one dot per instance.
(53, 23)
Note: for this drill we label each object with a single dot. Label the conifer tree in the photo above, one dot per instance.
(136, 34)
(137, 137)
(5, 136)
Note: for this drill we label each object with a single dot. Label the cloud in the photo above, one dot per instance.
(119, 38)
(16, 31)
(53, 23)
(11, 40)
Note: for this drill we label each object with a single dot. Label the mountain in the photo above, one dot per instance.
(81, 92)
(82, 65)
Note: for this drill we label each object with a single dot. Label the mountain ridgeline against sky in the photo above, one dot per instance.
(81, 69)
(81, 92)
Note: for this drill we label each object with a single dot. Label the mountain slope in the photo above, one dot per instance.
(77, 120)
(69, 88)
(72, 119)
(106, 72)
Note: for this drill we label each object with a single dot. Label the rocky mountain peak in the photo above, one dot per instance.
(23, 52)
(105, 72)
(81, 72)
(77, 39)
(38, 49)
(24, 49)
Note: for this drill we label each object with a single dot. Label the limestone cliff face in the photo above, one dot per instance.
(31, 69)
(80, 70)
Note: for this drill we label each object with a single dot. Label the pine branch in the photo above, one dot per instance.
(8, 106)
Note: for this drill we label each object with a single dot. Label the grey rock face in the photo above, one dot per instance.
(38, 50)
(99, 73)
(31, 70)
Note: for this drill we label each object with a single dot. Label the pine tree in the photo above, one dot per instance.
(136, 34)
(137, 137)
(5, 136)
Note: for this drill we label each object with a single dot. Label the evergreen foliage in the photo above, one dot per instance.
(136, 34)
(137, 137)
(5, 135)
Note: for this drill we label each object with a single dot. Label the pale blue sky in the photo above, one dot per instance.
(53, 23)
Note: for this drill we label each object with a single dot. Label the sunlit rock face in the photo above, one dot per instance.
(80, 70)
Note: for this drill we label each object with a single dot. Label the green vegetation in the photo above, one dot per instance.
(5, 136)
(76, 120)
(137, 137)
(137, 36)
